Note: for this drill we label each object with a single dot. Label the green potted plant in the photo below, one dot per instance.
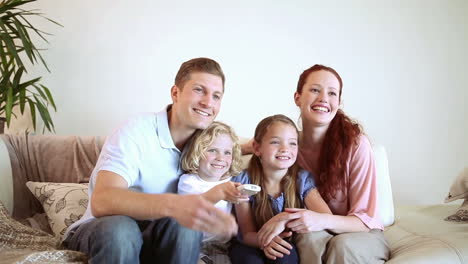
(17, 46)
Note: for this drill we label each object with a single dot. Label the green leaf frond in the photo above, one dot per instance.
(16, 44)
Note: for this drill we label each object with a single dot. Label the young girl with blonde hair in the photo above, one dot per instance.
(283, 185)
(211, 160)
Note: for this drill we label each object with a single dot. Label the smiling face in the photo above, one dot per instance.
(278, 147)
(197, 103)
(217, 160)
(319, 98)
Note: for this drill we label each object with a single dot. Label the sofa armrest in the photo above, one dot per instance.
(6, 178)
(385, 207)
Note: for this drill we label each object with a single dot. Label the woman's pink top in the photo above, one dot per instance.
(360, 198)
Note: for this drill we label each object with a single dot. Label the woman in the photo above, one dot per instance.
(339, 155)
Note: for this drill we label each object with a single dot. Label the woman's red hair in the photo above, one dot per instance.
(342, 135)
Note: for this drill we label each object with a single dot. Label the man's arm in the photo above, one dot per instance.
(112, 197)
(247, 147)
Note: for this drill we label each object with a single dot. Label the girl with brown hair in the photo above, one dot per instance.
(283, 185)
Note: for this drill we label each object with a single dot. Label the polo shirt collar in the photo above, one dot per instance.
(164, 134)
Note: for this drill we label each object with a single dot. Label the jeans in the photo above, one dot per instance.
(121, 239)
(243, 254)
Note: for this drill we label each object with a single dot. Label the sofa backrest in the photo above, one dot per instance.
(47, 158)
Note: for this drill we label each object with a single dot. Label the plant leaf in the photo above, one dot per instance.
(9, 105)
(38, 32)
(30, 82)
(10, 44)
(22, 99)
(17, 89)
(17, 77)
(13, 4)
(16, 43)
(27, 43)
(42, 109)
(43, 61)
(7, 61)
(49, 96)
(32, 108)
(41, 93)
(44, 114)
(4, 83)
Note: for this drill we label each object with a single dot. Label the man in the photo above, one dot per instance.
(133, 213)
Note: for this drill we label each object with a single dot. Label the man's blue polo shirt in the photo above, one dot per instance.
(143, 153)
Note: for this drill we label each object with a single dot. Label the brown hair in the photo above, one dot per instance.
(202, 140)
(263, 211)
(342, 134)
(205, 65)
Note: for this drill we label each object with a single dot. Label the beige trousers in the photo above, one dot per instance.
(358, 247)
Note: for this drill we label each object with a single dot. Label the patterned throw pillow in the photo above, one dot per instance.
(64, 203)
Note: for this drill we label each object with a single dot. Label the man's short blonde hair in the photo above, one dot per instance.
(201, 141)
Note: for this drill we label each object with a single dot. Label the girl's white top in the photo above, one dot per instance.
(193, 184)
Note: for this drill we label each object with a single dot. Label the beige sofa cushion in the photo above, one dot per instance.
(420, 235)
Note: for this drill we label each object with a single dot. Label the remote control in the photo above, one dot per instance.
(249, 189)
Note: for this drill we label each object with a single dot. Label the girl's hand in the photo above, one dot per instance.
(278, 247)
(230, 193)
(305, 221)
(272, 228)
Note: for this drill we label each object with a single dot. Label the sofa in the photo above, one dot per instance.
(43, 190)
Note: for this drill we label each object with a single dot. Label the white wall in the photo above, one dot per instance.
(402, 62)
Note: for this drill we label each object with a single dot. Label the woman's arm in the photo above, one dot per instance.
(314, 202)
(362, 190)
(277, 224)
(319, 217)
(305, 221)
